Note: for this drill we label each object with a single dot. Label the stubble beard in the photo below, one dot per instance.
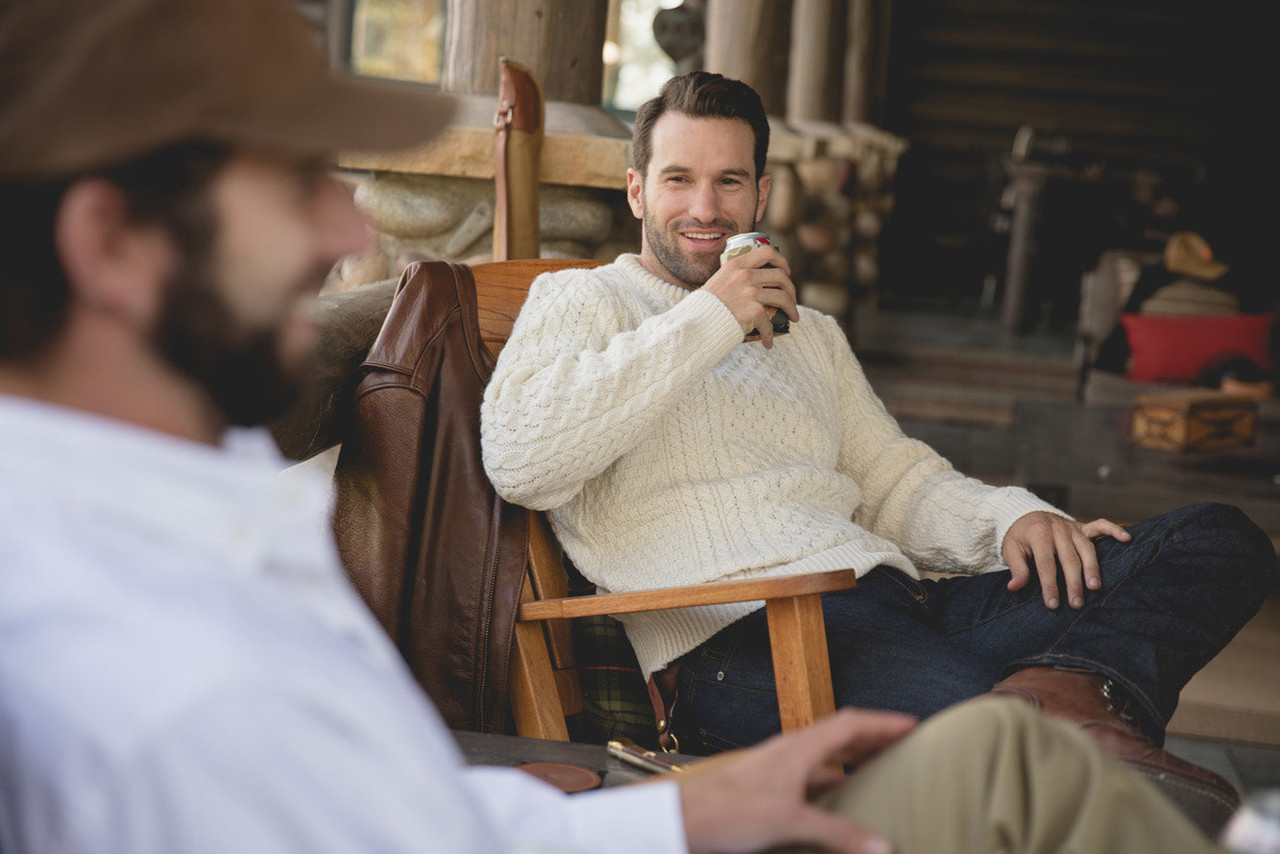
(690, 270)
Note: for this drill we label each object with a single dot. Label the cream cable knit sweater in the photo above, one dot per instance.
(668, 452)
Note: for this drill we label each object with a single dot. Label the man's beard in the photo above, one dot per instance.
(241, 370)
(691, 270)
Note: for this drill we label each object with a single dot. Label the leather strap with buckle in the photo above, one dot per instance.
(663, 695)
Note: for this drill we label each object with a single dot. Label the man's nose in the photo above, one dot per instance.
(341, 228)
(704, 206)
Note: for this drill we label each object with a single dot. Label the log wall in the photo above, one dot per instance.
(1124, 95)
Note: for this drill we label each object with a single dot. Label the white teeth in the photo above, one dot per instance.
(701, 236)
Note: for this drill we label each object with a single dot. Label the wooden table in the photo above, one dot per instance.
(1081, 458)
(481, 748)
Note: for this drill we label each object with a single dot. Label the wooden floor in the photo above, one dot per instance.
(951, 381)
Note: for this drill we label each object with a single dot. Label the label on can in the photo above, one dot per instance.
(740, 244)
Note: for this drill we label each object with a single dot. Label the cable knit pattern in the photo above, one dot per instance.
(668, 452)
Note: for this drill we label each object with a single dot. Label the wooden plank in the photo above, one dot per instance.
(501, 290)
(684, 597)
(467, 152)
(535, 699)
(569, 687)
(798, 640)
(546, 572)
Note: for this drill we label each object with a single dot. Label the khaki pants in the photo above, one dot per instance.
(992, 775)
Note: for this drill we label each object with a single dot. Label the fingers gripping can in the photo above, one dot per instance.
(739, 244)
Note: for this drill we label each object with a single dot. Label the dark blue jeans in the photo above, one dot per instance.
(1171, 598)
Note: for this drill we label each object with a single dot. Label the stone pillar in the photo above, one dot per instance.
(750, 40)
(817, 61)
(439, 202)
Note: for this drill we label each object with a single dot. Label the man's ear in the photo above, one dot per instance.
(112, 264)
(635, 193)
(762, 188)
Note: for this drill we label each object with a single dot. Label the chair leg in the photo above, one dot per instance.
(535, 701)
(797, 636)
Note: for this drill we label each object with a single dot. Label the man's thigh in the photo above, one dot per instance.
(994, 775)
(885, 653)
(1181, 562)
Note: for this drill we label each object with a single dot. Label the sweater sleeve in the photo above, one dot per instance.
(588, 371)
(911, 495)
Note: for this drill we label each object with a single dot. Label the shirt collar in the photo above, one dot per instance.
(228, 499)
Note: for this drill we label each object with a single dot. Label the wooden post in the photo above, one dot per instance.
(857, 62)
(801, 670)
(559, 40)
(817, 61)
(866, 60)
(750, 40)
(1028, 180)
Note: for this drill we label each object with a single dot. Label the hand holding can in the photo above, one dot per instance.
(740, 244)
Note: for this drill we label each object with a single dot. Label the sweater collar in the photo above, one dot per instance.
(638, 272)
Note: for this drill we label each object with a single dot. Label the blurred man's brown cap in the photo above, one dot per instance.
(1188, 254)
(87, 83)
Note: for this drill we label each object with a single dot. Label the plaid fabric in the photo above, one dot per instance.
(615, 697)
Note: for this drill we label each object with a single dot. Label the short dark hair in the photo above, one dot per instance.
(168, 186)
(700, 94)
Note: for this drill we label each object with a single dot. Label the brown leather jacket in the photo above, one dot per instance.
(439, 558)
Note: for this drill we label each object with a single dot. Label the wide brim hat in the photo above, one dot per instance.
(89, 83)
(1186, 253)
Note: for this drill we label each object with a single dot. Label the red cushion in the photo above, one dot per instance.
(1175, 347)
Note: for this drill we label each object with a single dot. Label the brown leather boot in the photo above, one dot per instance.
(1086, 700)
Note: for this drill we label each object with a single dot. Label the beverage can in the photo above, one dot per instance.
(739, 244)
(1255, 827)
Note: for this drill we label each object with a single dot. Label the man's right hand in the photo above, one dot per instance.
(754, 799)
(749, 282)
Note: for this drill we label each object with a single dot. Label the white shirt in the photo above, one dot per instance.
(184, 668)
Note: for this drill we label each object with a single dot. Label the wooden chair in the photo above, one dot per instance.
(545, 686)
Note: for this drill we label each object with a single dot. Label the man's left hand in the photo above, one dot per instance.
(1052, 540)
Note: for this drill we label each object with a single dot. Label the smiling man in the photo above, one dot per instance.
(707, 184)
(668, 451)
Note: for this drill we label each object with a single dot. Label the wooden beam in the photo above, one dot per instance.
(717, 593)
(467, 152)
(798, 640)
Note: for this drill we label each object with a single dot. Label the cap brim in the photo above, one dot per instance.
(344, 114)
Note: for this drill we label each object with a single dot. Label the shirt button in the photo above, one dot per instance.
(720, 676)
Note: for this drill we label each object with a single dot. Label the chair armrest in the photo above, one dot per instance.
(717, 593)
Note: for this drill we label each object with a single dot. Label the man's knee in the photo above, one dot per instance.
(986, 722)
(1246, 553)
(1254, 553)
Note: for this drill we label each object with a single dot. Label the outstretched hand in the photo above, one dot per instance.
(1052, 541)
(753, 799)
